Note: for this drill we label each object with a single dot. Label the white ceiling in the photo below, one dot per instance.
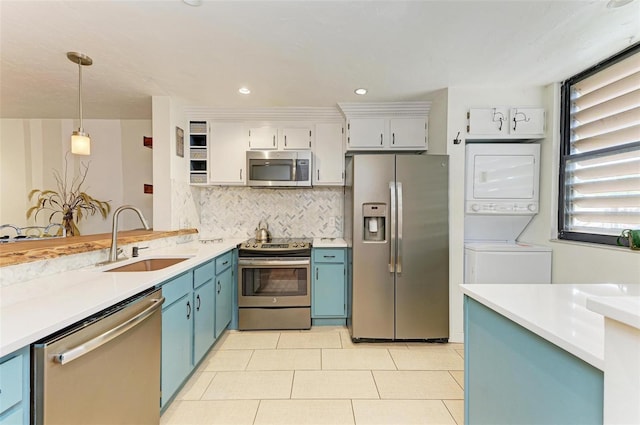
(290, 53)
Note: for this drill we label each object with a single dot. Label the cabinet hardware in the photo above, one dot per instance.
(329, 256)
(219, 287)
(285, 139)
(274, 140)
(317, 268)
(198, 305)
(380, 139)
(225, 263)
(188, 309)
(318, 174)
(241, 174)
(393, 138)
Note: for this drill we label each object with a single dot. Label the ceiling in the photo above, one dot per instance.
(290, 53)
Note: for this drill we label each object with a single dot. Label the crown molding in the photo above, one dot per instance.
(385, 109)
(289, 113)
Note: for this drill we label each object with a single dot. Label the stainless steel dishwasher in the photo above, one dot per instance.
(104, 370)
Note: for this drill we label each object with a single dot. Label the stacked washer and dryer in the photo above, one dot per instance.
(501, 198)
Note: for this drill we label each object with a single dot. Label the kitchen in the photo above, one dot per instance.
(180, 205)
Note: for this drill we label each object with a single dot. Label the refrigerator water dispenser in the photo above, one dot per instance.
(374, 215)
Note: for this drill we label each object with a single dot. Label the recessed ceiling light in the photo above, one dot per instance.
(617, 3)
(244, 90)
(193, 2)
(360, 91)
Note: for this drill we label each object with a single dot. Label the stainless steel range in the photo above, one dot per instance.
(274, 284)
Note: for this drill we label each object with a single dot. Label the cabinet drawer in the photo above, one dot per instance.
(204, 273)
(328, 255)
(10, 383)
(223, 262)
(176, 288)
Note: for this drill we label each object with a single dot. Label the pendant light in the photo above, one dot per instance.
(80, 141)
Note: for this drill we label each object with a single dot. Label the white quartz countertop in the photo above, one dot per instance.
(329, 243)
(558, 312)
(31, 310)
(622, 309)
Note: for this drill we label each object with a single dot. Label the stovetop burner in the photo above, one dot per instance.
(276, 246)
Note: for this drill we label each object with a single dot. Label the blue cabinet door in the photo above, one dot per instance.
(224, 294)
(328, 294)
(203, 319)
(176, 345)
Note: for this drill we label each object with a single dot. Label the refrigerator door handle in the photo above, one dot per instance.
(392, 245)
(399, 239)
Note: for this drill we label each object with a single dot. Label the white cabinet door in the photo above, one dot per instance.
(328, 158)
(263, 138)
(526, 121)
(488, 121)
(296, 138)
(366, 133)
(408, 133)
(227, 157)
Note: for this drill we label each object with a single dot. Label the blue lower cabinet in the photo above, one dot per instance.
(224, 299)
(14, 388)
(204, 303)
(197, 308)
(176, 346)
(513, 376)
(328, 285)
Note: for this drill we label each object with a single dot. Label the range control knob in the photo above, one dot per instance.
(295, 245)
(532, 207)
(475, 207)
(255, 245)
(247, 245)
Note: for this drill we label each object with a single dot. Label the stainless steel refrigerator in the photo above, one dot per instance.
(397, 229)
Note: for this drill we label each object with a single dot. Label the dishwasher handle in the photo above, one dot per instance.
(112, 333)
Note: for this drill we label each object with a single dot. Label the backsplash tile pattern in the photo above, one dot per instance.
(234, 212)
(186, 205)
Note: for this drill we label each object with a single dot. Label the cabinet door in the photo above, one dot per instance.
(366, 133)
(263, 138)
(408, 133)
(328, 155)
(176, 345)
(203, 319)
(328, 298)
(228, 153)
(296, 138)
(526, 121)
(488, 121)
(224, 288)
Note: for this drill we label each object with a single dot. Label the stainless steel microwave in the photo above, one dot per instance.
(279, 168)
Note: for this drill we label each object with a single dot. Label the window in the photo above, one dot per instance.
(599, 192)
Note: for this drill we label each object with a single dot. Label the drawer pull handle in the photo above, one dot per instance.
(225, 263)
(329, 256)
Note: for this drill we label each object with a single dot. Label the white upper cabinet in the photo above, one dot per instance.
(263, 138)
(280, 138)
(408, 133)
(227, 155)
(328, 155)
(386, 126)
(296, 138)
(505, 123)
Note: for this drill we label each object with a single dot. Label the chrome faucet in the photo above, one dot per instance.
(113, 251)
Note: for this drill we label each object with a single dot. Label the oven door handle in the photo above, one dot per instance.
(86, 347)
(263, 262)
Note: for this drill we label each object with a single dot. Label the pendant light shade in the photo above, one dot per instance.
(80, 141)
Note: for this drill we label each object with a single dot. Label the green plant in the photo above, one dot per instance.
(69, 201)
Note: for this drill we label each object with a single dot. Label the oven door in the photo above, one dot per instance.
(274, 282)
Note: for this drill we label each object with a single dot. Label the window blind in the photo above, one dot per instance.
(600, 161)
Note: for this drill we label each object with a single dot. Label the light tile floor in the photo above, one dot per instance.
(321, 377)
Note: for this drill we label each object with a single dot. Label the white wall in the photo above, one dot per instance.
(31, 149)
(175, 202)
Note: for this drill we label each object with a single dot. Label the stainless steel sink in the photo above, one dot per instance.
(148, 265)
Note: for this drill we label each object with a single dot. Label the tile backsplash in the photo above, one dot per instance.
(234, 212)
